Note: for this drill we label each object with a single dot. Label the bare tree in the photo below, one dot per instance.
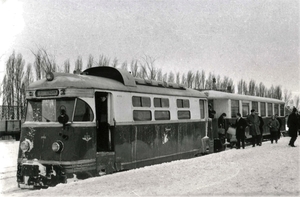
(252, 85)
(148, 69)
(103, 61)
(171, 77)
(134, 68)
(114, 63)
(178, 78)
(287, 96)
(278, 92)
(12, 87)
(189, 79)
(159, 75)
(67, 66)
(78, 65)
(124, 66)
(90, 61)
(44, 63)
(297, 102)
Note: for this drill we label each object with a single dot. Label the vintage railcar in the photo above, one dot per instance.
(103, 121)
(231, 104)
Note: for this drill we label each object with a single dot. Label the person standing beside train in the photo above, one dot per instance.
(221, 126)
(280, 124)
(240, 125)
(273, 125)
(253, 122)
(293, 127)
(261, 128)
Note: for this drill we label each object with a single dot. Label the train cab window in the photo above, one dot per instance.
(142, 115)
(48, 110)
(276, 109)
(162, 115)
(184, 115)
(183, 103)
(161, 102)
(138, 101)
(270, 110)
(234, 108)
(245, 109)
(83, 112)
(262, 109)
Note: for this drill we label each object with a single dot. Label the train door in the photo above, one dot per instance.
(104, 134)
(105, 149)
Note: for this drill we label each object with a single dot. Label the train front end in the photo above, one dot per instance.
(58, 136)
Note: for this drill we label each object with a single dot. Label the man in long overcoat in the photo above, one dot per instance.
(253, 122)
(241, 125)
(293, 127)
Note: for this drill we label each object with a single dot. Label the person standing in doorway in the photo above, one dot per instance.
(293, 127)
(253, 122)
(221, 126)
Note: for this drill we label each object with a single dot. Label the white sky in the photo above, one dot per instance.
(241, 39)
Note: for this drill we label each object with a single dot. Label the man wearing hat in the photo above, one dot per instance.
(253, 122)
(293, 127)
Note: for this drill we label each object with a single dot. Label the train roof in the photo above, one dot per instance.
(112, 79)
(213, 94)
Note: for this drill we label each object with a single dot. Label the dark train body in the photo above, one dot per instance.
(105, 121)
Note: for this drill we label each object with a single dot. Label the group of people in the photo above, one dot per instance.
(256, 126)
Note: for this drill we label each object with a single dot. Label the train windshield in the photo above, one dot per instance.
(48, 110)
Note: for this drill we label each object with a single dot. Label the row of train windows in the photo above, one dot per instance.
(139, 101)
(146, 115)
(263, 106)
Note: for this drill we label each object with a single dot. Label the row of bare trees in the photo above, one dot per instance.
(18, 77)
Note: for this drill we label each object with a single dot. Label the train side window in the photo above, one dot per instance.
(202, 108)
(183, 103)
(83, 112)
(281, 110)
(142, 115)
(234, 108)
(276, 109)
(245, 109)
(255, 106)
(161, 102)
(162, 115)
(270, 111)
(138, 101)
(263, 109)
(184, 115)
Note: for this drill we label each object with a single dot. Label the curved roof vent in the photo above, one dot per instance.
(111, 73)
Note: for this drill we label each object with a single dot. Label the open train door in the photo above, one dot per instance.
(105, 155)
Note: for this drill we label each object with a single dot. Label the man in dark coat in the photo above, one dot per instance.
(241, 125)
(261, 128)
(280, 124)
(253, 122)
(293, 127)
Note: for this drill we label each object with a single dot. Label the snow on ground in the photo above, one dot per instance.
(270, 169)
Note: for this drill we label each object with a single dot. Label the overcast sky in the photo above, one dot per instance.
(241, 39)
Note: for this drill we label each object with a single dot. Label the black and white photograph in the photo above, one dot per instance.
(149, 98)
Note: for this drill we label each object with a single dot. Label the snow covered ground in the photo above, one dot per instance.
(270, 169)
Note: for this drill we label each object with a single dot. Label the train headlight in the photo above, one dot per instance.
(49, 76)
(26, 145)
(58, 146)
